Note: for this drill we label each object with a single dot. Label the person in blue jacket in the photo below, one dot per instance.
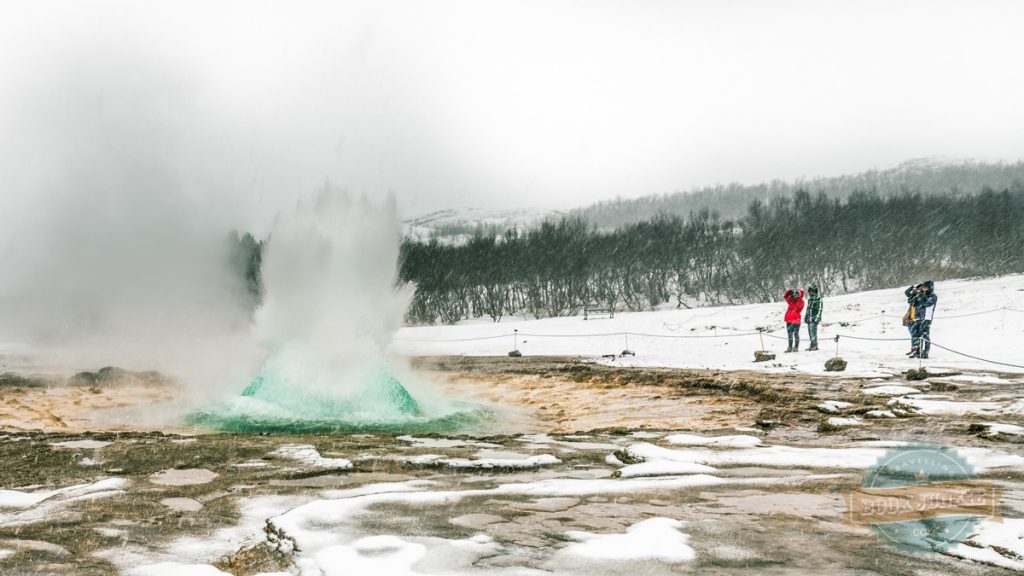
(922, 300)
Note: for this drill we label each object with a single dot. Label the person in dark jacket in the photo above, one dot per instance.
(795, 299)
(812, 317)
(922, 300)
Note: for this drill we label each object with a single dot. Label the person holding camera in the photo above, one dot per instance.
(795, 299)
(922, 301)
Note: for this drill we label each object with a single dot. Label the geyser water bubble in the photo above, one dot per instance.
(329, 311)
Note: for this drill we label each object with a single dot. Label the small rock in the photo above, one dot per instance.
(836, 364)
(763, 356)
(515, 354)
(915, 374)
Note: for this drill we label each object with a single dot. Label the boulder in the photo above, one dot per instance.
(836, 364)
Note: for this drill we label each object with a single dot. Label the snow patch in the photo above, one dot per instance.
(738, 441)
(833, 406)
(663, 468)
(932, 406)
(444, 442)
(890, 390)
(996, 543)
(83, 444)
(483, 463)
(995, 428)
(307, 454)
(22, 500)
(841, 422)
(652, 539)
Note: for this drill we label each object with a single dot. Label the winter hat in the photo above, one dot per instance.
(813, 288)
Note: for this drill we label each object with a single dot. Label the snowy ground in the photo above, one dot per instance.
(983, 318)
(645, 502)
(600, 466)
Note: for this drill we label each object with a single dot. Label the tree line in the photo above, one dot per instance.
(862, 241)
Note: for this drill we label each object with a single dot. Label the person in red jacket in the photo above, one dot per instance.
(795, 299)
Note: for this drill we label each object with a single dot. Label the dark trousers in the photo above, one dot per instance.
(794, 335)
(812, 332)
(922, 334)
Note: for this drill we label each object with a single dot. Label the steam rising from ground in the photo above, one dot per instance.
(329, 312)
(329, 270)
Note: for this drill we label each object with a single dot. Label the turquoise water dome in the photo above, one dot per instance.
(368, 400)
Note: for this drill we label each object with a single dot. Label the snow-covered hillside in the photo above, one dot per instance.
(456, 225)
(978, 317)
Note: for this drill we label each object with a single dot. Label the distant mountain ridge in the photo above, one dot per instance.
(921, 175)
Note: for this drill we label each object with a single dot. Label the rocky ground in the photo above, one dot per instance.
(593, 469)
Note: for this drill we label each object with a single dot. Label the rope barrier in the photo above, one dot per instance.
(937, 345)
(768, 333)
(694, 335)
(974, 313)
(453, 339)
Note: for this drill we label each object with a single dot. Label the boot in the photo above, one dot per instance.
(912, 353)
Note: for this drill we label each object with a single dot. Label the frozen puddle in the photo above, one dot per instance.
(183, 477)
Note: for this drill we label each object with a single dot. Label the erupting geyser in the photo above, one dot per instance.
(329, 311)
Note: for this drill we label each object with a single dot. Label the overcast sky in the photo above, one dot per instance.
(548, 103)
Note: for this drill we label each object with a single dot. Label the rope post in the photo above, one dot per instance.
(883, 321)
(515, 339)
(760, 331)
(837, 344)
(626, 336)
